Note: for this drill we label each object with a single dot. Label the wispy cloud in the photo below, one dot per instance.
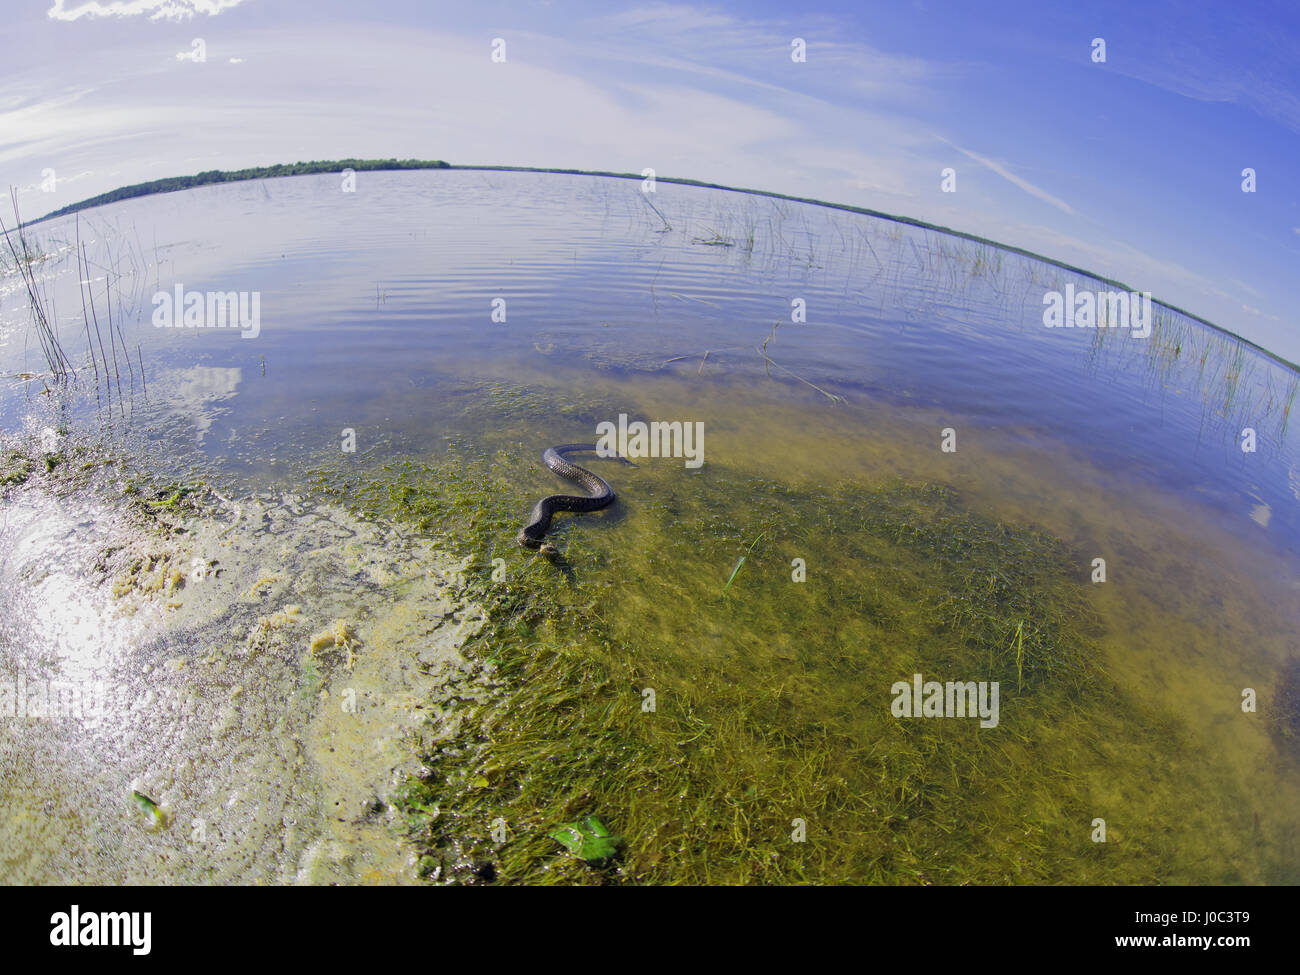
(33, 187)
(756, 51)
(706, 90)
(1266, 87)
(1012, 178)
(1190, 49)
(155, 9)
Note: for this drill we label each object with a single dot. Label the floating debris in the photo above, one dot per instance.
(156, 817)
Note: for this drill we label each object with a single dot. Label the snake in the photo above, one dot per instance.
(533, 534)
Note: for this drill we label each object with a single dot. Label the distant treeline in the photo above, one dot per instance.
(335, 166)
(173, 183)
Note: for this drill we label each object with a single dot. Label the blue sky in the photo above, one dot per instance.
(1131, 168)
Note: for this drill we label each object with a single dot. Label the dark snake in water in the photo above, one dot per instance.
(602, 495)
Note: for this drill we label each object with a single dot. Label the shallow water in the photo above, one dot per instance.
(376, 317)
(178, 665)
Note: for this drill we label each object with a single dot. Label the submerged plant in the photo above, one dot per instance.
(589, 840)
(741, 561)
(703, 726)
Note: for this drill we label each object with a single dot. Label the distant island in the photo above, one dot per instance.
(174, 183)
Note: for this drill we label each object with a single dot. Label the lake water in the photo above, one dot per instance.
(882, 410)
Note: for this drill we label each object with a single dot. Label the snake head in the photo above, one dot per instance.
(543, 548)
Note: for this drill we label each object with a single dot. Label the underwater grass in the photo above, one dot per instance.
(709, 729)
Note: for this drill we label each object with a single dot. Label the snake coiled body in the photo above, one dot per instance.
(601, 496)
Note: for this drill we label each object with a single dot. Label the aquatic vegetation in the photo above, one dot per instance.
(1286, 708)
(1233, 379)
(338, 636)
(210, 658)
(748, 737)
(589, 840)
(15, 468)
(154, 816)
(62, 362)
(24, 254)
(707, 666)
(714, 239)
(741, 561)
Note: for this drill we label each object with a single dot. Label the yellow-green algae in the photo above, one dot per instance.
(264, 761)
(771, 700)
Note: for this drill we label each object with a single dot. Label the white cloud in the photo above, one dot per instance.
(677, 17)
(60, 181)
(754, 52)
(697, 94)
(1266, 87)
(1190, 49)
(156, 9)
(1015, 180)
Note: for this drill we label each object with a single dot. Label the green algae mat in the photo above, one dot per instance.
(740, 722)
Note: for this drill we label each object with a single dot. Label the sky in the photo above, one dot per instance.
(1131, 167)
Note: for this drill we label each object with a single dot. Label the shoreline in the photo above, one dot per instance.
(540, 718)
(267, 660)
(392, 165)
